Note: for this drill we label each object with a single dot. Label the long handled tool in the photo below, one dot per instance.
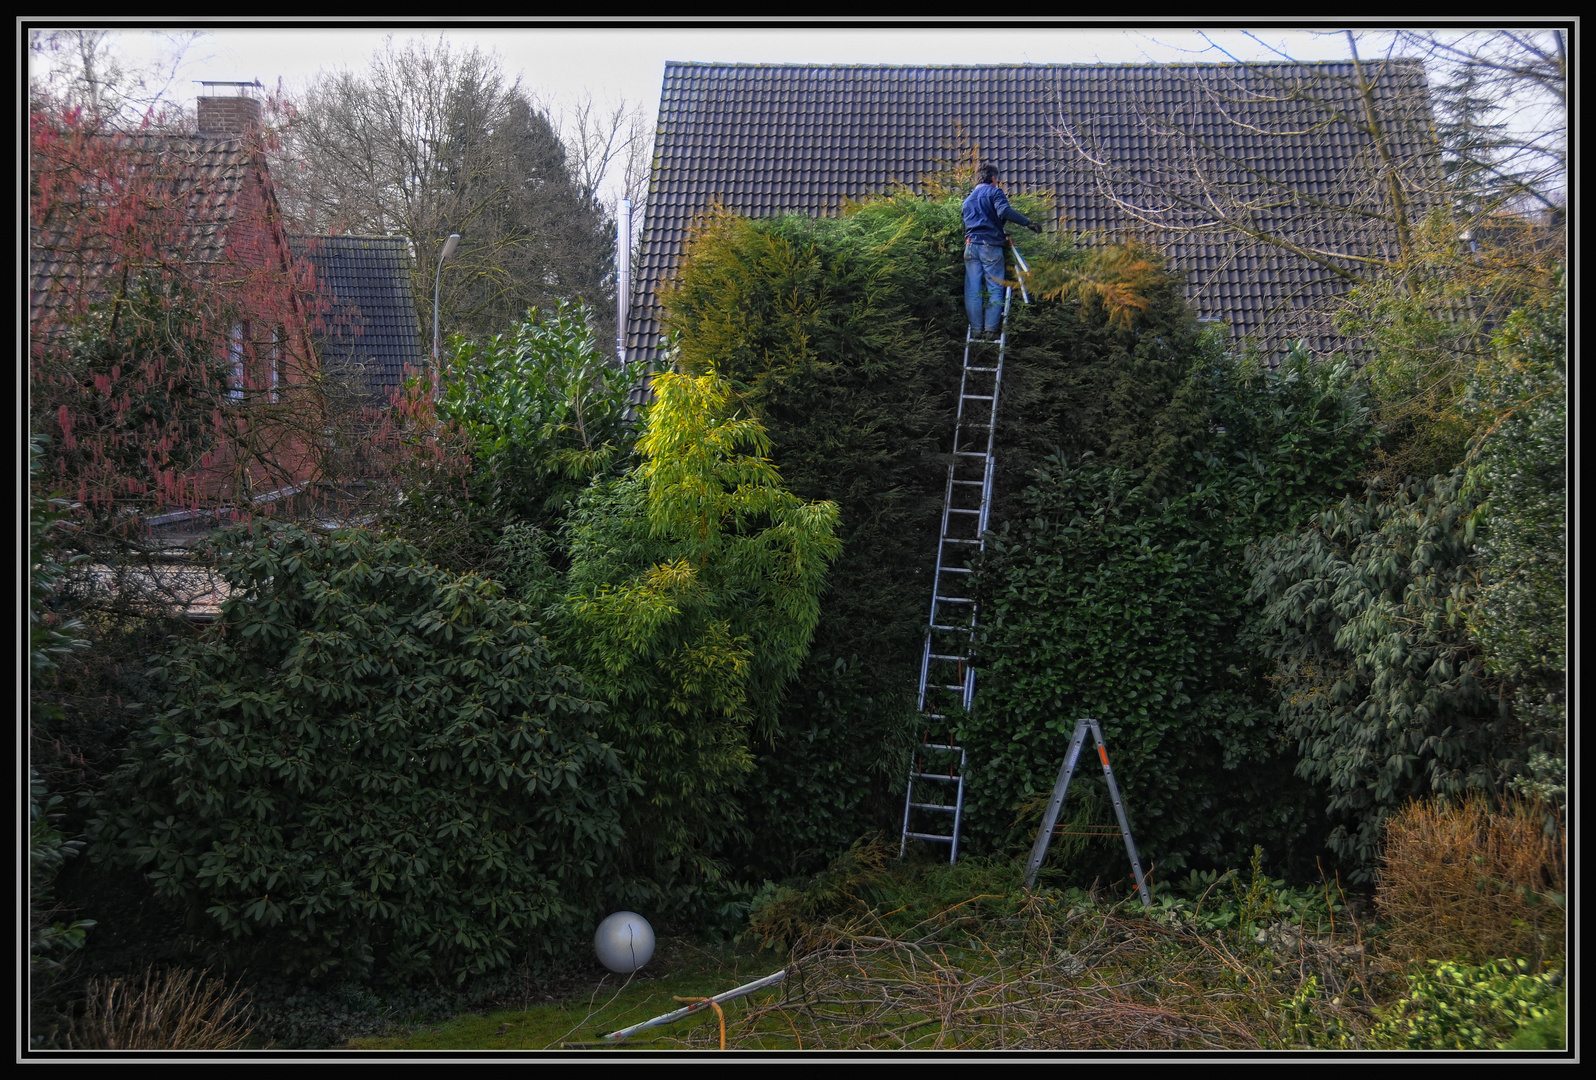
(1019, 261)
(697, 1006)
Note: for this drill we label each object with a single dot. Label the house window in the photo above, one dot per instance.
(235, 356)
(274, 359)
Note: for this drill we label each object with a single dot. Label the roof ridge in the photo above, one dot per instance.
(1035, 66)
(350, 236)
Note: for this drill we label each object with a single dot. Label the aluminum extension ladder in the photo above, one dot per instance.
(1061, 787)
(933, 807)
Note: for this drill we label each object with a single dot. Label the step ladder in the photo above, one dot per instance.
(1061, 788)
(933, 807)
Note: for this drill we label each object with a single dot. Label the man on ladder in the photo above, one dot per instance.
(985, 210)
(933, 804)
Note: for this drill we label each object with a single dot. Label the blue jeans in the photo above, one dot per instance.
(983, 260)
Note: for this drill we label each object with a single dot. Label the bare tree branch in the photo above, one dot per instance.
(429, 140)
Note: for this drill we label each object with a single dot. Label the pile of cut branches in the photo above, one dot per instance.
(1059, 974)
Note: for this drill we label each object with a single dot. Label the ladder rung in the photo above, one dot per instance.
(953, 599)
(958, 540)
(948, 686)
(971, 367)
(977, 397)
(931, 836)
(936, 776)
(938, 746)
(957, 570)
(969, 453)
(961, 510)
(954, 629)
(933, 806)
(947, 656)
(967, 483)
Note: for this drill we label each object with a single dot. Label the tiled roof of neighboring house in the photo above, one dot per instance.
(206, 173)
(764, 139)
(371, 330)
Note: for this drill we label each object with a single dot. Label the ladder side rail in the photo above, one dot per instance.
(1119, 812)
(936, 588)
(958, 808)
(936, 577)
(991, 429)
(1061, 788)
(908, 801)
(964, 370)
(986, 500)
(964, 382)
(925, 663)
(997, 388)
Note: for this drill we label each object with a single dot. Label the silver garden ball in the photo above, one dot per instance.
(624, 942)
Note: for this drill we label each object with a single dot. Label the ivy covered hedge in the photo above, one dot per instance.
(1117, 596)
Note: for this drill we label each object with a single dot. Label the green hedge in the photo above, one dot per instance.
(1121, 597)
(373, 766)
(844, 336)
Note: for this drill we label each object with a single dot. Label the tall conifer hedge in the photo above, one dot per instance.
(844, 336)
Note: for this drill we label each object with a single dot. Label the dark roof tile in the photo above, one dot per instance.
(771, 138)
(370, 328)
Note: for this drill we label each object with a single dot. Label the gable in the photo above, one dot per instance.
(369, 329)
(768, 139)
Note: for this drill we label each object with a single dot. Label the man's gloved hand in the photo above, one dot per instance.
(1034, 227)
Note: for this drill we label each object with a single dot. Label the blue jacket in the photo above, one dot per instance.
(985, 210)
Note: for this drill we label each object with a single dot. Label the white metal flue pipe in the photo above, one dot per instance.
(623, 274)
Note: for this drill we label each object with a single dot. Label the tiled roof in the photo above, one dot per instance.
(206, 175)
(370, 328)
(765, 139)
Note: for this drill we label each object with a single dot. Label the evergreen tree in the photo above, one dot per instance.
(429, 141)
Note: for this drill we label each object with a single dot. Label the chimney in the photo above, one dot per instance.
(221, 113)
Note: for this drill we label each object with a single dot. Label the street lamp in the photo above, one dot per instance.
(448, 249)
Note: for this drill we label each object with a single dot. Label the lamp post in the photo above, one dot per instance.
(448, 249)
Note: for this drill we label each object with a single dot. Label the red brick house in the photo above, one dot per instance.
(171, 364)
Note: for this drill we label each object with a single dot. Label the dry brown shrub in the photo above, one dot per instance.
(172, 1010)
(1461, 881)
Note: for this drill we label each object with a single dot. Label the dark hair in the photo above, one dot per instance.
(988, 174)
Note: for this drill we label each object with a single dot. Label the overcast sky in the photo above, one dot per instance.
(625, 63)
(628, 63)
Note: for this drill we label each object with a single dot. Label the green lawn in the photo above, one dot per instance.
(678, 969)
